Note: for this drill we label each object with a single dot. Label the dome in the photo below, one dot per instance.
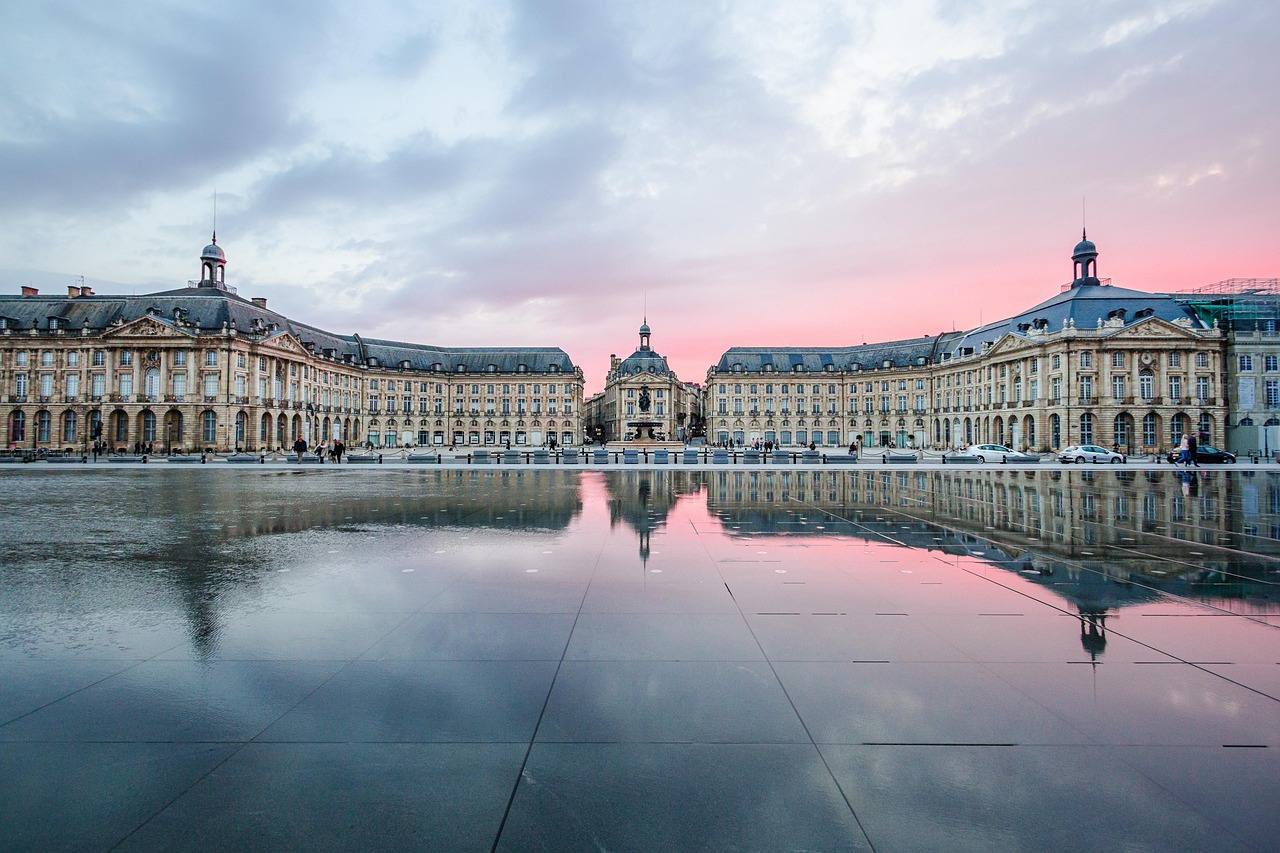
(1084, 247)
(644, 329)
(213, 252)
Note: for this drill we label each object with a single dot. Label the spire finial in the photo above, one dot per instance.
(215, 217)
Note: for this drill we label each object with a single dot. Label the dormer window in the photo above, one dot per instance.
(522, 368)
(554, 368)
(53, 323)
(461, 368)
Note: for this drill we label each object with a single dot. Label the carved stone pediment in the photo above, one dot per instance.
(286, 342)
(147, 327)
(1154, 327)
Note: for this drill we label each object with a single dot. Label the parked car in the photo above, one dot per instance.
(990, 452)
(1205, 453)
(1090, 453)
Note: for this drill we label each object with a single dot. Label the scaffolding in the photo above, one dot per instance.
(1242, 304)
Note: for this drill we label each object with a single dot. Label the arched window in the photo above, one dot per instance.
(1177, 426)
(151, 383)
(1123, 427)
(209, 427)
(18, 426)
(1150, 429)
(1086, 428)
(1205, 427)
(1147, 385)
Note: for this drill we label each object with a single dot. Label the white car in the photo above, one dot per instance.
(991, 452)
(1090, 453)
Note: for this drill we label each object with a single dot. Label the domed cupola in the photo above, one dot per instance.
(644, 335)
(213, 265)
(1085, 261)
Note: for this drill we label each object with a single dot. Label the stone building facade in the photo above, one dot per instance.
(1094, 364)
(200, 367)
(674, 406)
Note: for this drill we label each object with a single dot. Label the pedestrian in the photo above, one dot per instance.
(300, 447)
(322, 450)
(852, 448)
(1184, 450)
(339, 448)
(1192, 447)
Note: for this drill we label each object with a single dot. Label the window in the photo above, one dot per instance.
(98, 382)
(43, 421)
(69, 427)
(73, 359)
(240, 361)
(1271, 363)
(1273, 393)
(1086, 428)
(1175, 359)
(209, 427)
(1086, 359)
(73, 385)
(1202, 359)
(126, 385)
(211, 385)
(1147, 385)
(1202, 388)
(99, 358)
(1117, 359)
(46, 384)
(1055, 362)
(46, 358)
(126, 358)
(1246, 363)
(180, 358)
(20, 359)
(1149, 427)
(1175, 388)
(1117, 387)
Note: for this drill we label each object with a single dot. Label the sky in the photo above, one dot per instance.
(744, 173)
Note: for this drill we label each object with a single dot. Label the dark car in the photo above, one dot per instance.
(1205, 453)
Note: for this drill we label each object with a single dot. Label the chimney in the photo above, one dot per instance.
(86, 291)
(27, 290)
(72, 291)
(260, 301)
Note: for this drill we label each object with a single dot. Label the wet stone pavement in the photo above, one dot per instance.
(640, 660)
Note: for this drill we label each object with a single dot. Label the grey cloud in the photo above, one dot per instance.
(199, 93)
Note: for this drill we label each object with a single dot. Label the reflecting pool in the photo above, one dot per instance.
(204, 658)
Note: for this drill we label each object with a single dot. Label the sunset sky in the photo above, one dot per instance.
(756, 173)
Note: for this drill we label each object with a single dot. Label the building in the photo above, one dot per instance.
(673, 410)
(200, 367)
(1093, 364)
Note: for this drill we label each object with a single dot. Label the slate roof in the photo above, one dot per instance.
(816, 359)
(1084, 304)
(211, 309)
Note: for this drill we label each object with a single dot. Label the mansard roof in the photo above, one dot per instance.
(212, 309)
(1083, 305)
(819, 359)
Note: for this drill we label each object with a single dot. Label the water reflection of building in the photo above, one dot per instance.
(1107, 538)
(642, 499)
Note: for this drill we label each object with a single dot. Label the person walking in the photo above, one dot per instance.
(1184, 450)
(1192, 447)
(300, 447)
